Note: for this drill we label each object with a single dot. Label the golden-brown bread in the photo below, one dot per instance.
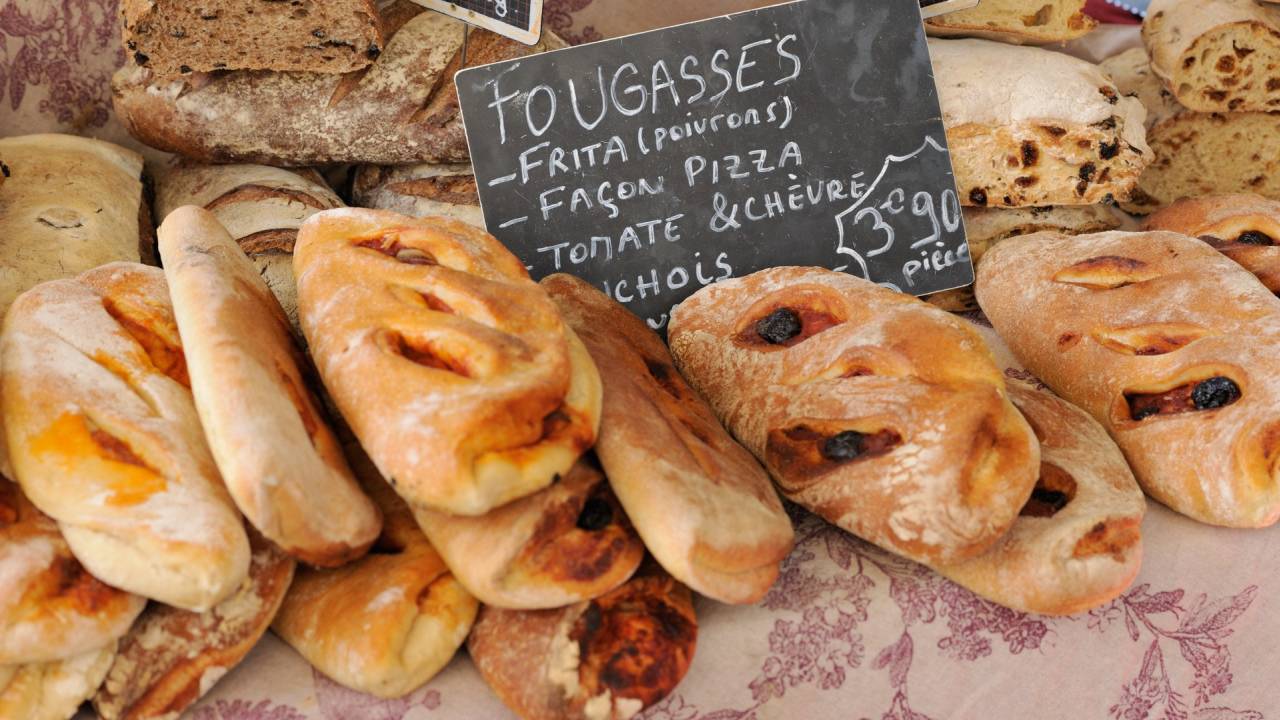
(879, 412)
(106, 439)
(387, 623)
(569, 542)
(1077, 543)
(604, 659)
(1245, 228)
(51, 608)
(262, 207)
(420, 190)
(172, 657)
(280, 461)
(452, 367)
(52, 690)
(703, 505)
(1168, 344)
(985, 227)
(1016, 21)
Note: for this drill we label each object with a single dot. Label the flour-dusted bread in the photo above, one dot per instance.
(106, 439)
(879, 412)
(172, 657)
(172, 37)
(420, 190)
(1167, 343)
(1029, 127)
(51, 608)
(384, 624)
(452, 367)
(1016, 21)
(703, 505)
(280, 461)
(262, 207)
(567, 543)
(53, 690)
(1196, 153)
(1245, 228)
(1216, 55)
(1077, 543)
(988, 226)
(606, 659)
(401, 109)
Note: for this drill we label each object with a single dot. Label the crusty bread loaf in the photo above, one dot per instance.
(172, 37)
(1216, 55)
(558, 546)
(262, 207)
(53, 690)
(881, 413)
(705, 508)
(1245, 228)
(420, 190)
(1077, 543)
(452, 367)
(606, 659)
(1196, 153)
(401, 109)
(1029, 127)
(172, 657)
(388, 622)
(988, 226)
(280, 461)
(50, 607)
(106, 439)
(1016, 21)
(1167, 343)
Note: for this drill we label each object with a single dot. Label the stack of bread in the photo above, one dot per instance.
(1029, 155)
(1210, 78)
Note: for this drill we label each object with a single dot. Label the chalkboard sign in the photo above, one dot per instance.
(520, 20)
(807, 133)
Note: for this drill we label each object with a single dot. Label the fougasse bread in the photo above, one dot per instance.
(1077, 543)
(1167, 343)
(703, 505)
(452, 366)
(883, 414)
(107, 441)
(1244, 227)
(604, 659)
(1016, 21)
(281, 463)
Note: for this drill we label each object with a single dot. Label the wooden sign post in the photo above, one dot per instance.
(807, 133)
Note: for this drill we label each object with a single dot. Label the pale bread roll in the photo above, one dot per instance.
(52, 690)
(106, 438)
(280, 461)
(703, 505)
(384, 624)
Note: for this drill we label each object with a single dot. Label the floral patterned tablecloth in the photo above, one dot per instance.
(849, 631)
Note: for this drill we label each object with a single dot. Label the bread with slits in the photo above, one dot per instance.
(452, 367)
(384, 624)
(107, 442)
(569, 542)
(703, 505)
(280, 461)
(881, 413)
(1245, 228)
(51, 608)
(1077, 543)
(1166, 342)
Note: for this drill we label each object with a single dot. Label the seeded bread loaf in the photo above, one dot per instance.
(170, 37)
(1029, 127)
(988, 226)
(420, 190)
(1245, 228)
(1016, 21)
(401, 109)
(1196, 153)
(1216, 55)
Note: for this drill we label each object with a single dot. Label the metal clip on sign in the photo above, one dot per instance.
(934, 8)
(520, 20)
